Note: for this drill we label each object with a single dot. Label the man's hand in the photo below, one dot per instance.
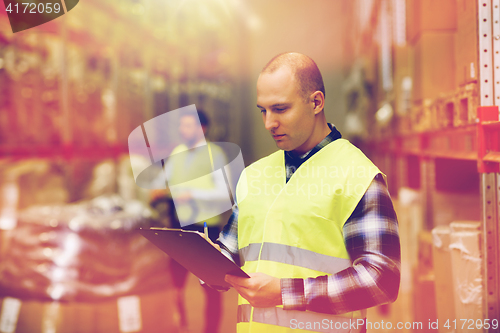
(260, 290)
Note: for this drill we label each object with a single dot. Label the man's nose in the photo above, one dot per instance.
(270, 121)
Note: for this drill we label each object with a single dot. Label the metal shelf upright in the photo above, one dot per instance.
(488, 164)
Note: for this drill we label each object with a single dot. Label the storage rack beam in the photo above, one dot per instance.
(65, 152)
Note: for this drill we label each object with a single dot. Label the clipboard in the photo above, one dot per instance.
(196, 254)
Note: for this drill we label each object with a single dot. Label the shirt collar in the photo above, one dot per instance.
(332, 136)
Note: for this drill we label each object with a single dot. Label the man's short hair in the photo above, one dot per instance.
(203, 118)
(305, 71)
(204, 121)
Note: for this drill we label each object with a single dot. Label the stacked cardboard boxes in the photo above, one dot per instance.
(424, 281)
(466, 48)
(431, 30)
(430, 16)
(434, 65)
(443, 38)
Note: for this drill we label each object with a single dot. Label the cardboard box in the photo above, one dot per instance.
(420, 116)
(466, 103)
(466, 42)
(409, 217)
(457, 108)
(402, 79)
(429, 15)
(466, 267)
(450, 206)
(424, 299)
(424, 281)
(441, 257)
(144, 313)
(434, 66)
(442, 111)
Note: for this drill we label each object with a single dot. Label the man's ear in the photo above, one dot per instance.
(318, 99)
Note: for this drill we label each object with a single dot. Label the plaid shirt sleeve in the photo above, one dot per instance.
(372, 241)
(228, 237)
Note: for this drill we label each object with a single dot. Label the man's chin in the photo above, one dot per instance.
(283, 146)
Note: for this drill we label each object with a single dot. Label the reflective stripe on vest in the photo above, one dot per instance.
(311, 321)
(292, 255)
(294, 229)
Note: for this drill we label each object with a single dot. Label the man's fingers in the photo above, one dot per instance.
(230, 278)
(214, 245)
(235, 285)
(243, 291)
(209, 240)
(236, 280)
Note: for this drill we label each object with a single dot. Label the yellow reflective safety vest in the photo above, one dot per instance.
(294, 229)
(201, 211)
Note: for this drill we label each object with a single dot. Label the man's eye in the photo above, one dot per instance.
(280, 110)
(262, 110)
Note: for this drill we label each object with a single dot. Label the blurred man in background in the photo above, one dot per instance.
(193, 198)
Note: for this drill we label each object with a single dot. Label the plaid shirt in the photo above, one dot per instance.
(371, 239)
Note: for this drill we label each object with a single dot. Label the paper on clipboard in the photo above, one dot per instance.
(196, 254)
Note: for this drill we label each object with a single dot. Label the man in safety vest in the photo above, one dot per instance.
(195, 200)
(314, 225)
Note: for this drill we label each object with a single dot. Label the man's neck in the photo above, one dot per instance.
(317, 138)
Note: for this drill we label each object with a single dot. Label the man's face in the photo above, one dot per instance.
(189, 129)
(286, 115)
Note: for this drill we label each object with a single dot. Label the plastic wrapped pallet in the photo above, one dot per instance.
(443, 277)
(83, 268)
(466, 267)
(86, 251)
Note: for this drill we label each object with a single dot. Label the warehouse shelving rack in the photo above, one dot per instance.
(477, 141)
(65, 152)
(66, 149)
